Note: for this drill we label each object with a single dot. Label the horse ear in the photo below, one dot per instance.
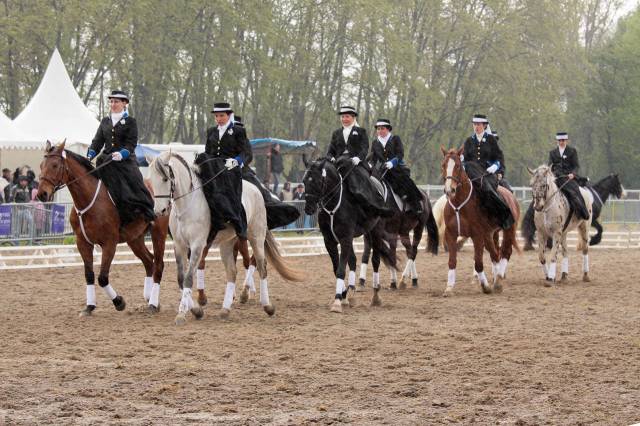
(47, 147)
(460, 151)
(61, 146)
(149, 159)
(530, 171)
(443, 151)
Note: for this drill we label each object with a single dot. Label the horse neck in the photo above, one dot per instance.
(185, 183)
(83, 185)
(603, 188)
(463, 190)
(333, 184)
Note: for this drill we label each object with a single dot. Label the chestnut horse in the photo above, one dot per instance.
(95, 221)
(464, 217)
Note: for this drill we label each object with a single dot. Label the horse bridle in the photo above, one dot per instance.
(322, 200)
(172, 185)
(59, 185)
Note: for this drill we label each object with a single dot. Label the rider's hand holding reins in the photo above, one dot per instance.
(355, 160)
(231, 163)
(91, 154)
(492, 169)
(123, 154)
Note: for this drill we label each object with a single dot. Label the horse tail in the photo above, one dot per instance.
(379, 243)
(529, 228)
(433, 236)
(275, 257)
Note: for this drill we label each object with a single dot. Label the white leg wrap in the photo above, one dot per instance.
(482, 278)
(228, 295)
(91, 295)
(110, 292)
(248, 279)
(552, 271)
(494, 269)
(545, 270)
(376, 279)
(503, 267)
(339, 286)
(565, 265)
(352, 278)
(200, 279)
(585, 263)
(148, 283)
(154, 298)
(451, 278)
(407, 269)
(414, 270)
(363, 271)
(186, 302)
(264, 292)
(394, 276)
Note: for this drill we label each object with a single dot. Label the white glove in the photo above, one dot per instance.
(355, 161)
(116, 156)
(388, 165)
(333, 159)
(492, 169)
(230, 163)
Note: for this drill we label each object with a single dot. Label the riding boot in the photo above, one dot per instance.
(580, 209)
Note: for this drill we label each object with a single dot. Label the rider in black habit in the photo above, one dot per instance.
(348, 148)
(564, 164)
(226, 149)
(117, 138)
(387, 149)
(482, 159)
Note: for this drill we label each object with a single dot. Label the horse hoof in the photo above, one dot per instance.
(448, 292)
(344, 301)
(197, 312)
(564, 278)
(393, 285)
(351, 301)
(414, 282)
(181, 319)
(585, 278)
(497, 286)
(361, 287)
(336, 306)
(87, 311)
(119, 303)
(244, 296)
(202, 298)
(362, 281)
(375, 300)
(151, 309)
(403, 284)
(548, 282)
(224, 313)
(269, 309)
(486, 289)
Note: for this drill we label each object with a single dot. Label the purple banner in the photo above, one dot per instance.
(57, 219)
(5, 221)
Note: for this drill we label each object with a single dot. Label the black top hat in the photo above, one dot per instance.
(118, 94)
(480, 118)
(560, 136)
(348, 110)
(237, 121)
(222, 107)
(383, 122)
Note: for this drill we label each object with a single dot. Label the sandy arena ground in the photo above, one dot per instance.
(532, 355)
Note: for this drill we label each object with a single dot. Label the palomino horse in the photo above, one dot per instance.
(179, 194)
(400, 225)
(552, 220)
(465, 217)
(341, 219)
(93, 217)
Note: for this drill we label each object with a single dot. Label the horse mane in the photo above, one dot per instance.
(83, 161)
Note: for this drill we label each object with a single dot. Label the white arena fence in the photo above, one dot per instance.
(38, 235)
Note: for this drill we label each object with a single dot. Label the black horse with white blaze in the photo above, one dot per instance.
(341, 219)
(601, 191)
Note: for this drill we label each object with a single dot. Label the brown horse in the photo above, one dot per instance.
(464, 217)
(95, 221)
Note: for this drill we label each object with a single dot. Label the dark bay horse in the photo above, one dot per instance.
(601, 191)
(341, 220)
(400, 225)
(465, 217)
(95, 221)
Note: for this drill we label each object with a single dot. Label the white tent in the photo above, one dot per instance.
(10, 137)
(56, 111)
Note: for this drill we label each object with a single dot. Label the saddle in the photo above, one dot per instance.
(384, 189)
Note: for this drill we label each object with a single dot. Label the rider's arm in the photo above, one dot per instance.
(97, 143)
(244, 154)
(332, 151)
(208, 144)
(131, 140)
(399, 149)
(574, 164)
(363, 146)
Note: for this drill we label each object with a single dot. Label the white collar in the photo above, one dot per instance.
(115, 117)
(384, 140)
(479, 137)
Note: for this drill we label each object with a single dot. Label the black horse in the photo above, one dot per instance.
(341, 220)
(601, 191)
(399, 225)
